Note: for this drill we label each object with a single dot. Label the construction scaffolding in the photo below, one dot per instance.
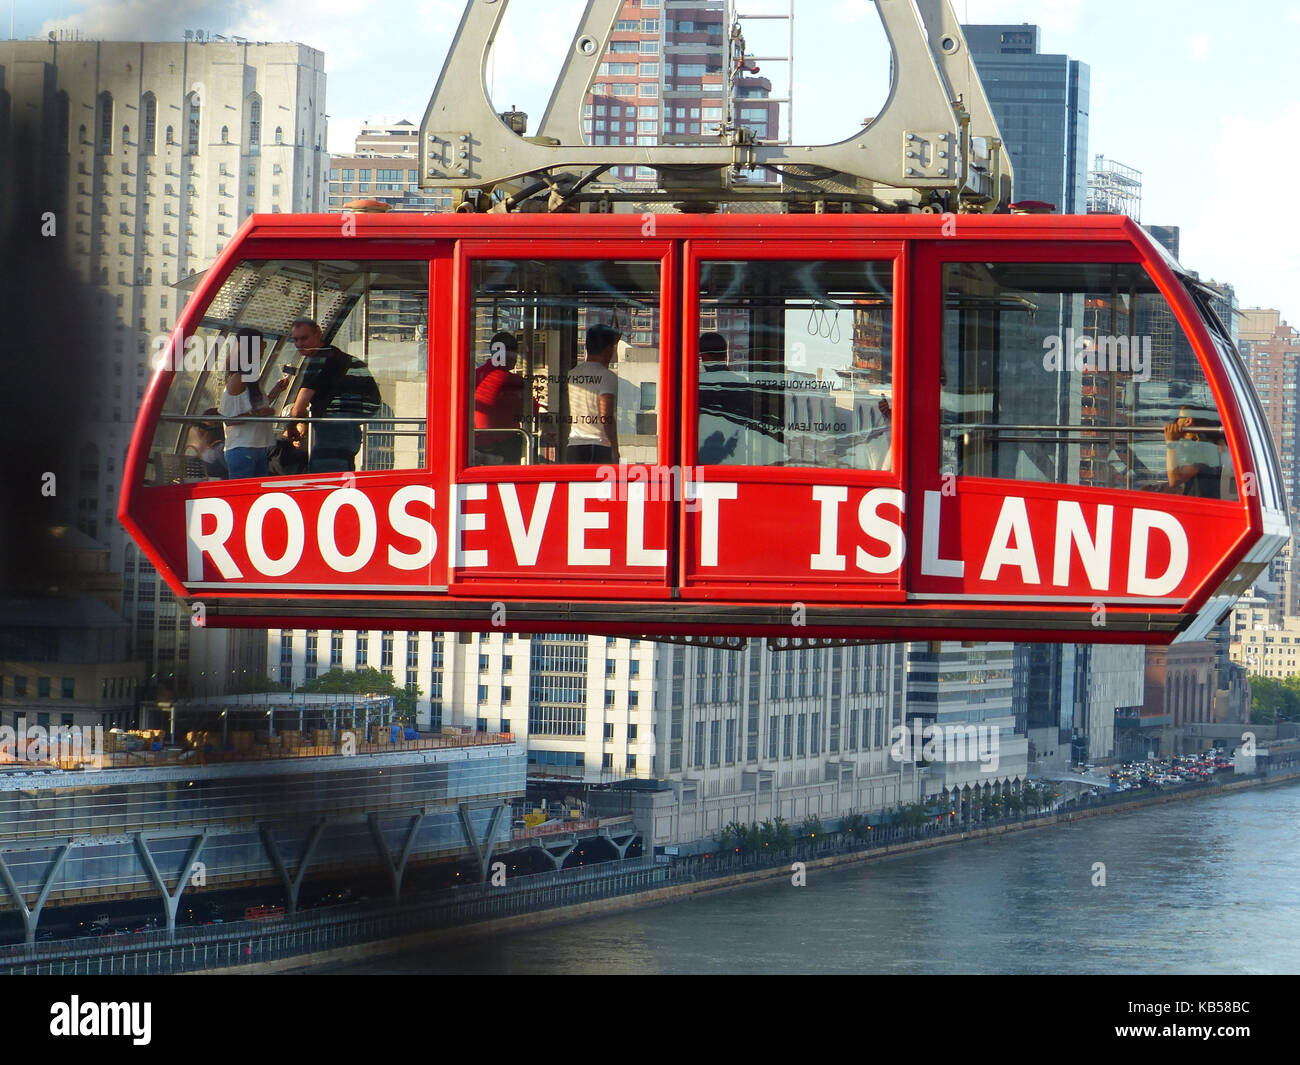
(1114, 188)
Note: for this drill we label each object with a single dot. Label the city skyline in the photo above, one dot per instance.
(1251, 245)
(409, 781)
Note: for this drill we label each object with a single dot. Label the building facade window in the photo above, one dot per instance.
(193, 114)
(557, 687)
(104, 127)
(254, 124)
(149, 123)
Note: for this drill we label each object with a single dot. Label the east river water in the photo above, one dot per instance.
(1204, 886)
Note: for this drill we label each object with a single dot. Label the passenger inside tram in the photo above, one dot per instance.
(247, 442)
(1197, 459)
(338, 390)
(551, 308)
(207, 442)
(1075, 373)
(593, 398)
(499, 403)
(724, 402)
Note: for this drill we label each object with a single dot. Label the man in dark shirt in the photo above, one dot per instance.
(331, 381)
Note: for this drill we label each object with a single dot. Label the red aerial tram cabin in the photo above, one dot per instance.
(890, 426)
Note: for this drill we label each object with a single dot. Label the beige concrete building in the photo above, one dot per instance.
(384, 167)
(1269, 650)
(64, 657)
(154, 153)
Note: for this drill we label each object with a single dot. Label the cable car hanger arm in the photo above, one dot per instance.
(935, 138)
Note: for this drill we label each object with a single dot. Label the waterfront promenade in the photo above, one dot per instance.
(372, 930)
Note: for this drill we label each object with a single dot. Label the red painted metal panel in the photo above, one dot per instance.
(386, 537)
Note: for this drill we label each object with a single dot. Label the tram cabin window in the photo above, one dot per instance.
(1075, 373)
(367, 373)
(538, 393)
(796, 364)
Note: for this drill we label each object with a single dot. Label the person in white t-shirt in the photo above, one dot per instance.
(247, 441)
(593, 391)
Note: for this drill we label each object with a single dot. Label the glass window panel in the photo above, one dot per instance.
(376, 313)
(796, 364)
(1075, 373)
(538, 392)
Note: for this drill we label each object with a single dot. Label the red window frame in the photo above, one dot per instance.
(647, 583)
(924, 442)
(780, 587)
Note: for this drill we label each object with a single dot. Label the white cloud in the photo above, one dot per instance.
(142, 20)
(1198, 46)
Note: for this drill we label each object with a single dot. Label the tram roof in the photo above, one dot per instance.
(411, 226)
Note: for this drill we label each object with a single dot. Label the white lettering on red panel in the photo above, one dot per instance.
(495, 529)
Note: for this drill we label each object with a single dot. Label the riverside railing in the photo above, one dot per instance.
(245, 942)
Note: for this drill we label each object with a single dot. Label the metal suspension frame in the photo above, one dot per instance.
(934, 145)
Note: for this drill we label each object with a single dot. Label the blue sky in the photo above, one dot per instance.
(1202, 98)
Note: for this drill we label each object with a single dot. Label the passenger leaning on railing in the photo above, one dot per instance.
(1198, 462)
(338, 388)
(207, 440)
(247, 442)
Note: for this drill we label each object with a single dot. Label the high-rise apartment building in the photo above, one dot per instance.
(664, 81)
(156, 152)
(1271, 349)
(384, 166)
(1041, 105)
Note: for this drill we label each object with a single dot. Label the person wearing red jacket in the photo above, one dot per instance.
(498, 391)
(500, 396)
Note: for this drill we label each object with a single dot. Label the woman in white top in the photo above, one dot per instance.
(247, 442)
